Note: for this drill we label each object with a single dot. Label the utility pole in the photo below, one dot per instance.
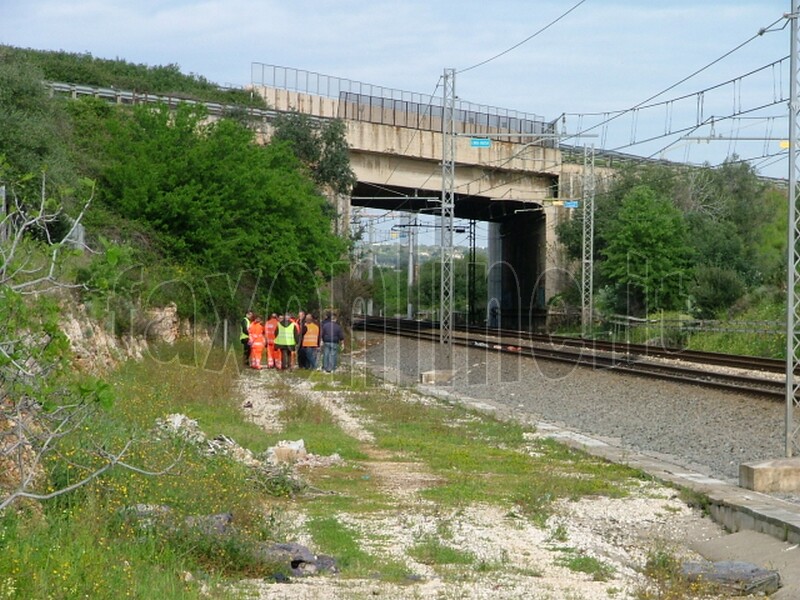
(587, 263)
(448, 207)
(410, 278)
(792, 306)
(472, 293)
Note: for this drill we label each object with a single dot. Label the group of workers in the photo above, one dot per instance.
(290, 341)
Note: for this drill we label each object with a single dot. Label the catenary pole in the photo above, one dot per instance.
(792, 308)
(587, 262)
(447, 210)
(410, 222)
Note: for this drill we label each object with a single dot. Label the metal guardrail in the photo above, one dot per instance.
(127, 97)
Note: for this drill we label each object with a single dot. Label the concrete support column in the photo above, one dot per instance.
(559, 272)
(495, 276)
(341, 204)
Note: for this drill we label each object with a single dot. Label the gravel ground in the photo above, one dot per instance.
(513, 556)
(709, 431)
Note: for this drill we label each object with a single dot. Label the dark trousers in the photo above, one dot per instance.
(246, 349)
(286, 357)
(309, 358)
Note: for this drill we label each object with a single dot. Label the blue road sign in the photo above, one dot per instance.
(480, 142)
(571, 203)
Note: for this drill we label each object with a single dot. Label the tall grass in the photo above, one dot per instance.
(80, 546)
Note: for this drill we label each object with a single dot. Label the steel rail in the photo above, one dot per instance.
(620, 362)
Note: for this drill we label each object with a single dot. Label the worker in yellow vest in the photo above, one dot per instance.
(244, 335)
(309, 345)
(286, 340)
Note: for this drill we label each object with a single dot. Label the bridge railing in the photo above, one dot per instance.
(388, 106)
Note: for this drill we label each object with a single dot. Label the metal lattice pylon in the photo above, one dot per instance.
(793, 265)
(448, 207)
(587, 262)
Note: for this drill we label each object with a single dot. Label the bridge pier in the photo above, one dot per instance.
(516, 286)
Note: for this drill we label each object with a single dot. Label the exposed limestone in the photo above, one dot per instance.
(96, 350)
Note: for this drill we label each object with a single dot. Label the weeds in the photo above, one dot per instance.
(280, 482)
(431, 551)
(342, 542)
(665, 581)
(481, 459)
(583, 563)
(77, 546)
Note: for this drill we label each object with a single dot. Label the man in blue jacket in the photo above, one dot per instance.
(332, 339)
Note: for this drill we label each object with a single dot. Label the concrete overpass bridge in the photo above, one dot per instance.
(509, 173)
(517, 182)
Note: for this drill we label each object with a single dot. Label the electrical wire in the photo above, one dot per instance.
(527, 39)
(641, 104)
(711, 120)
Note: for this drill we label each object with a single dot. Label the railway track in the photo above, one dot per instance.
(697, 368)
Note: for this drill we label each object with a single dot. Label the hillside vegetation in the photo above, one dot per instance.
(85, 69)
(682, 245)
(177, 209)
(183, 209)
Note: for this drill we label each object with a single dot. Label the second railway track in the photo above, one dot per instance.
(697, 368)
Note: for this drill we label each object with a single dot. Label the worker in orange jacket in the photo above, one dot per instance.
(309, 343)
(270, 331)
(256, 337)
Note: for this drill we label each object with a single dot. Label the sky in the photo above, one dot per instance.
(582, 62)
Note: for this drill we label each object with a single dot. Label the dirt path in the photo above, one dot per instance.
(517, 559)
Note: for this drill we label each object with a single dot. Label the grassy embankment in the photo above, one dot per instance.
(81, 545)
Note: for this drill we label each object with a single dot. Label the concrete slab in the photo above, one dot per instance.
(778, 475)
(434, 377)
(762, 550)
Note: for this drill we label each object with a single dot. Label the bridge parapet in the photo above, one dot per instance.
(389, 127)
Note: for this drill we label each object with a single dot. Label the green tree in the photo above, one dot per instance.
(426, 292)
(33, 127)
(735, 222)
(390, 290)
(220, 202)
(321, 146)
(646, 252)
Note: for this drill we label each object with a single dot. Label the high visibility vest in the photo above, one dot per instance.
(244, 333)
(311, 338)
(285, 335)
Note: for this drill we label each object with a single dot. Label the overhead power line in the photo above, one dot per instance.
(618, 114)
(527, 39)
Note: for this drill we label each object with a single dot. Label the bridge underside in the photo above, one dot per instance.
(517, 259)
(470, 207)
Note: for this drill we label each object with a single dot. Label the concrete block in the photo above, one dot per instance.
(777, 475)
(434, 377)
